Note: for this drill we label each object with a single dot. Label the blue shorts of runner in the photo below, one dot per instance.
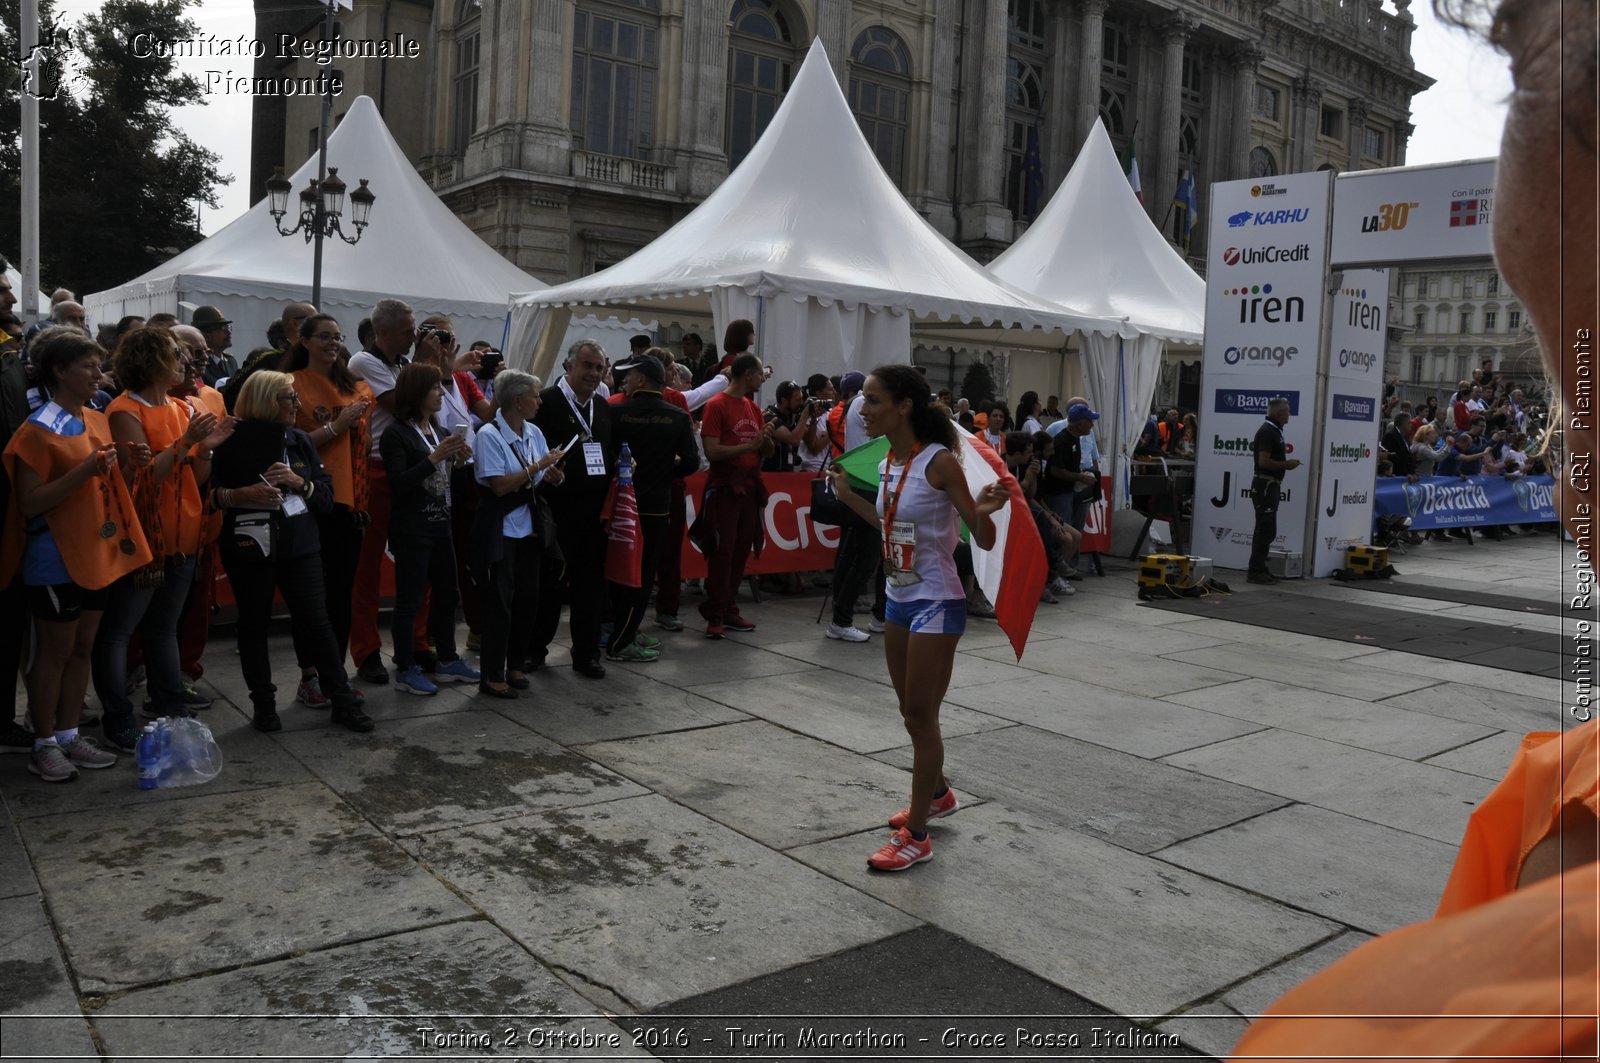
(925, 616)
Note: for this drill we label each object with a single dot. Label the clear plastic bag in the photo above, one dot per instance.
(190, 756)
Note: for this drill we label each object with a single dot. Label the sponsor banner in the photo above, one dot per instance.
(1264, 298)
(1471, 501)
(1097, 524)
(1413, 213)
(1351, 411)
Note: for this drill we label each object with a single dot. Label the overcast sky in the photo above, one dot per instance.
(1459, 118)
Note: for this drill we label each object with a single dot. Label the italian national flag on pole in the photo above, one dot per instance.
(1013, 573)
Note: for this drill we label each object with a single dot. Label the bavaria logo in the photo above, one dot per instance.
(1240, 219)
(1354, 408)
(1533, 497)
(1348, 452)
(1245, 403)
(1437, 498)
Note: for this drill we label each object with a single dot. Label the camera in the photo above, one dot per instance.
(490, 364)
(445, 338)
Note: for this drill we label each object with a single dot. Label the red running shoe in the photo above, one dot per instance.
(937, 808)
(738, 623)
(901, 852)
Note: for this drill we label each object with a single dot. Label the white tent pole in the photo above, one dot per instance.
(30, 159)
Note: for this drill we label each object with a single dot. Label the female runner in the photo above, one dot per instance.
(922, 491)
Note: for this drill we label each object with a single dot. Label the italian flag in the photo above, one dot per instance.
(1011, 574)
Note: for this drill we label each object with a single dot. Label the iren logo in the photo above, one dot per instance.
(1257, 304)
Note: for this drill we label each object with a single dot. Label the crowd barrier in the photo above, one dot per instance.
(1436, 502)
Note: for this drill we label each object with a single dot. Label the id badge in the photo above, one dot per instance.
(293, 505)
(898, 567)
(594, 460)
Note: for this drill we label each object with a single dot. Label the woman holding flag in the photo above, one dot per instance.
(922, 490)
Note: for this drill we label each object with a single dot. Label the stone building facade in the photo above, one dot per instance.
(1449, 321)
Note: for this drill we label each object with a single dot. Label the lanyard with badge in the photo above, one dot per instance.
(899, 536)
(594, 457)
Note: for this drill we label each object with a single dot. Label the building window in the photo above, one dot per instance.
(1466, 321)
(1513, 320)
(880, 93)
(1189, 80)
(1332, 122)
(1443, 321)
(464, 89)
(1025, 65)
(1461, 366)
(1372, 143)
(1188, 137)
(1489, 317)
(1262, 164)
(1113, 106)
(1416, 368)
(1422, 321)
(761, 62)
(1494, 284)
(1267, 99)
(614, 79)
(1113, 50)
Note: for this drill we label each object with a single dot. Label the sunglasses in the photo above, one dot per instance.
(291, 398)
(336, 337)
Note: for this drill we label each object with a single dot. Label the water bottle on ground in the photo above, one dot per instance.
(147, 757)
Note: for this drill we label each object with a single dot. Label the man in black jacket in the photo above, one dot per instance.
(572, 412)
(1397, 441)
(660, 437)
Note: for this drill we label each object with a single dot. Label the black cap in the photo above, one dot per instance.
(640, 342)
(648, 364)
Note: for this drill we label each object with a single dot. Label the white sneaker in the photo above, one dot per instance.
(875, 625)
(1066, 589)
(848, 634)
(1061, 586)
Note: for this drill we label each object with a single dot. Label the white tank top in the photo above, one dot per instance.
(926, 531)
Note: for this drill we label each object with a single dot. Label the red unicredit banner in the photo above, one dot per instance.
(792, 541)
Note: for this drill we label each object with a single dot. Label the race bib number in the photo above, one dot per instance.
(898, 567)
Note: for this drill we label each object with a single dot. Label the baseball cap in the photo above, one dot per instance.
(1080, 411)
(854, 380)
(648, 364)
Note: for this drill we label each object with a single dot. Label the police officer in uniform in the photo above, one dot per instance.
(1272, 461)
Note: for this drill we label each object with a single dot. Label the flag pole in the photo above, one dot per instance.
(31, 55)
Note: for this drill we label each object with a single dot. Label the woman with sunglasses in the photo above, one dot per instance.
(269, 482)
(71, 531)
(336, 412)
(167, 498)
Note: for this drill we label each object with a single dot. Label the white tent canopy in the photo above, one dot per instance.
(415, 249)
(812, 241)
(1094, 243)
(22, 306)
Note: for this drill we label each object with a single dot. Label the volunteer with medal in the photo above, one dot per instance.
(922, 493)
(71, 530)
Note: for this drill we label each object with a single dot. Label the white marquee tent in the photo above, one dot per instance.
(1094, 244)
(16, 289)
(809, 239)
(415, 249)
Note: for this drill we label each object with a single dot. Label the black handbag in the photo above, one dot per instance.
(826, 506)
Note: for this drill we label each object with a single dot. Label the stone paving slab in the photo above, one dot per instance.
(384, 702)
(365, 1000)
(1130, 933)
(222, 880)
(34, 984)
(1128, 801)
(1269, 640)
(16, 873)
(865, 660)
(1475, 675)
(468, 767)
(1132, 673)
(693, 660)
(1216, 1026)
(250, 761)
(1487, 758)
(1496, 709)
(1142, 726)
(1364, 875)
(1132, 635)
(648, 901)
(856, 714)
(1384, 728)
(778, 787)
(1359, 678)
(1420, 798)
(627, 703)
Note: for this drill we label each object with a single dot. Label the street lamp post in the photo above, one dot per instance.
(322, 201)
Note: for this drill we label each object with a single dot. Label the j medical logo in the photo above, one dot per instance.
(1257, 305)
(1254, 403)
(1354, 408)
(1349, 498)
(1269, 255)
(1344, 453)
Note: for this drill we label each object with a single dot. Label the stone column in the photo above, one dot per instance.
(548, 145)
(833, 26)
(1402, 136)
(703, 96)
(1174, 34)
(985, 222)
(1308, 119)
(938, 197)
(1356, 125)
(1245, 60)
(1090, 45)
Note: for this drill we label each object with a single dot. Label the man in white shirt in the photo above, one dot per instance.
(394, 332)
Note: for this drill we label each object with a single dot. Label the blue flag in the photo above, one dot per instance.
(1032, 174)
(1186, 205)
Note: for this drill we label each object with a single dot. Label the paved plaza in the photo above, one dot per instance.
(1167, 820)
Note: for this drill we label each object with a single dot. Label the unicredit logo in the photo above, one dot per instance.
(1272, 253)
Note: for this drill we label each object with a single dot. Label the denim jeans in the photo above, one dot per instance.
(154, 613)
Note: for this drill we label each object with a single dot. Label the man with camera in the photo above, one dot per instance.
(490, 362)
(791, 419)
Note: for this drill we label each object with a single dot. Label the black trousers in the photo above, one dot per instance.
(860, 553)
(423, 564)
(510, 597)
(1264, 495)
(299, 580)
(628, 603)
(14, 619)
(583, 546)
(341, 550)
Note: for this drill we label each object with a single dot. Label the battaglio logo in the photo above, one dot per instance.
(1347, 452)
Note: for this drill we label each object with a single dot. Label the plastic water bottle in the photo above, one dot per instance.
(147, 756)
(164, 750)
(625, 466)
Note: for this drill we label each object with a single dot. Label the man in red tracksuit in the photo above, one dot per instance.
(736, 439)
